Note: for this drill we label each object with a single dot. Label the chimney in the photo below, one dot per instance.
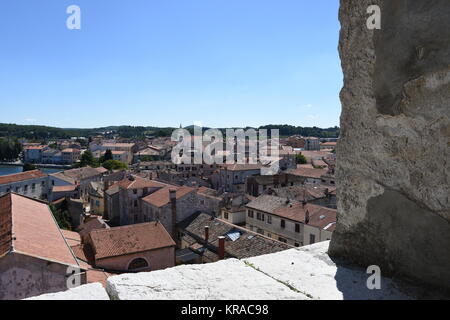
(221, 247)
(173, 201)
(206, 234)
(307, 217)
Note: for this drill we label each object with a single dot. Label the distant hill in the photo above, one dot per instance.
(38, 133)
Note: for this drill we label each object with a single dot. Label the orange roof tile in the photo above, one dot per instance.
(32, 230)
(130, 239)
(162, 197)
(17, 177)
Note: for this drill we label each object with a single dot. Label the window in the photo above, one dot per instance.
(43, 183)
(282, 224)
(97, 203)
(33, 186)
(282, 240)
(258, 215)
(135, 203)
(260, 231)
(297, 228)
(269, 219)
(312, 238)
(25, 188)
(226, 215)
(269, 235)
(250, 214)
(53, 182)
(135, 191)
(137, 264)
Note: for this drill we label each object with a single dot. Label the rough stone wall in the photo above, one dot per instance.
(393, 167)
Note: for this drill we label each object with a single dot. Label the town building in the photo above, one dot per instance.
(33, 153)
(79, 176)
(310, 175)
(96, 198)
(33, 184)
(70, 155)
(257, 185)
(34, 256)
(134, 248)
(289, 221)
(212, 239)
(232, 178)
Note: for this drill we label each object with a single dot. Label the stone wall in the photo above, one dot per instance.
(393, 167)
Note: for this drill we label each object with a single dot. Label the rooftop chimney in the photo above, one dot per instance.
(206, 234)
(173, 201)
(221, 247)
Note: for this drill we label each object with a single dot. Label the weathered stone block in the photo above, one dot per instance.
(393, 168)
(225, 280)
(93, 291)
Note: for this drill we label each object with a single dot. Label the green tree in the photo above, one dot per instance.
(29, 167)
(62, 217)
(87, 159)
(300, 159)
(9, 150)
(108, 156)
(114, 165)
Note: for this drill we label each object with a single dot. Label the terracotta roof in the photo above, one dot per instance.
(68, 188)
(96, 223)
(118, 152)
(161, 197)
(73, 238)
(294, 210)
(308, 173)
(246, 243)
(28, 226)
(76, 175)
(71, 150)
(136, 182)
(17, 177)
(242, 167)
(120, 145)
(34, 147)
(130, 239)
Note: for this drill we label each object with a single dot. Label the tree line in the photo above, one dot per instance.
(9, 149)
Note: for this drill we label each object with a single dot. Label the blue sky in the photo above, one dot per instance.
(224, 63)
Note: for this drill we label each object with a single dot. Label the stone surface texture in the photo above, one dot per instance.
(93, 291)
(312, 271)
(224, 280)
(393, 168)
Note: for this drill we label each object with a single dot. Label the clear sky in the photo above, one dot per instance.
(224, 63)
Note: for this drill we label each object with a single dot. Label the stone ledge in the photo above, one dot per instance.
(93, 291)
(296, 274)
(311, 270)
(224, 280)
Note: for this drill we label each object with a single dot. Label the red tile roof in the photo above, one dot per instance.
(138, 183)
(28, 227)
(67, 188)
(130, 239)
(162, 197)
(307, 172)
(17, 177)
(73, 238)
